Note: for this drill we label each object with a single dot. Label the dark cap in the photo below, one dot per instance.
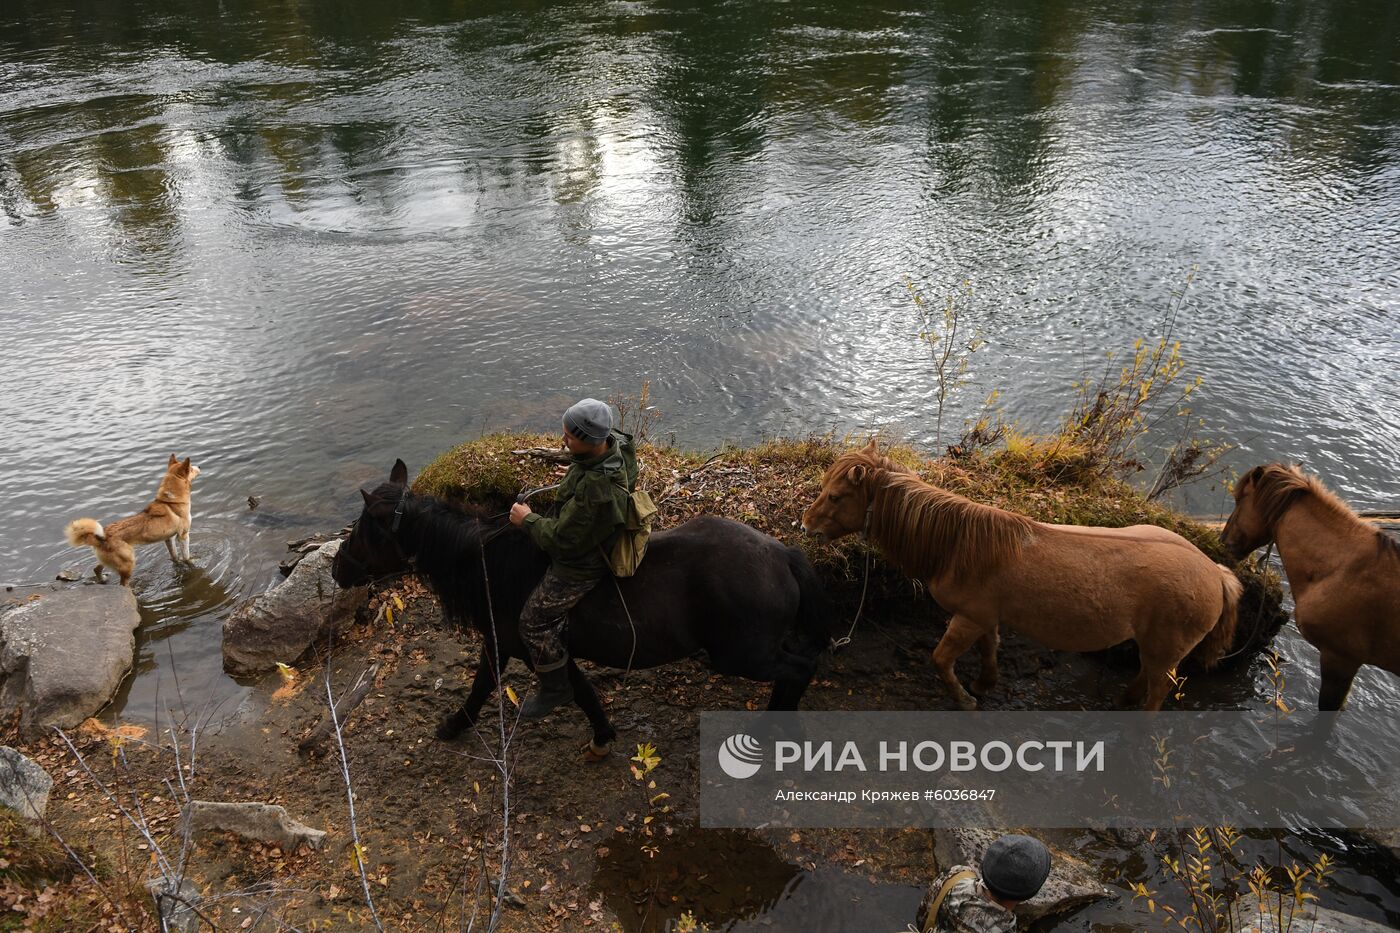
(1015, 867)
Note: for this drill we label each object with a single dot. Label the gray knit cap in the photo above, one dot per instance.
(1014, 867)
(589, 420)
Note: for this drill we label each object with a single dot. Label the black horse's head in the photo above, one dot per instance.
(373, 550)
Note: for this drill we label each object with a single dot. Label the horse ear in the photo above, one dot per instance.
(399, 474)
(872, 447)
(369, 497)
(857, 474)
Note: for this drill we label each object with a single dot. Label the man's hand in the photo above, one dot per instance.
(518, 513)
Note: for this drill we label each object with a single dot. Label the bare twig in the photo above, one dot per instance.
(350, 798)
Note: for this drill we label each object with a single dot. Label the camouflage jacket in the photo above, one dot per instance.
(966, 909)
(592, 502)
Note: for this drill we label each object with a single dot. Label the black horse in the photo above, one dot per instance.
(751, 603)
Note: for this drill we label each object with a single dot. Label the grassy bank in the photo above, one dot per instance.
(770, 485)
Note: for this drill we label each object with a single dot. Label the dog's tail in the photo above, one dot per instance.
(85, 531)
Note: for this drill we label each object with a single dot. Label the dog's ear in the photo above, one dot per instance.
(399, 474)
(173, 460)
(185, 466)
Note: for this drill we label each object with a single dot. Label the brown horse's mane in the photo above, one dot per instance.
(927, 531)
(1278, 487)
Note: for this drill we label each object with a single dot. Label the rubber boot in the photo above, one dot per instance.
(554, 691)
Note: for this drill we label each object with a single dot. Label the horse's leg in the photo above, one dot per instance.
(1157, 688)
(1157, 656)
(587, 699)
(787, 693)
(1337, 674)
(1132, 695)
(962, 632)
(454, 724)
(987, 677)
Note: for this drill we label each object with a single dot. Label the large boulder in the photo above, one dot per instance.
(283, 623)
(63, 655)
(24, 786)
(1071, 884)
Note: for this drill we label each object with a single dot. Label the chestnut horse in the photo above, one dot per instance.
(1068, 587)
(1344, 573)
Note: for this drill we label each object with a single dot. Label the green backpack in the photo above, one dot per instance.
(629, 545)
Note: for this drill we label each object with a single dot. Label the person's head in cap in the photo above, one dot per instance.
(1014, 868)
(587, 425)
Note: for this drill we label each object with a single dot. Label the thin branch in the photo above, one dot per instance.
(350, 798)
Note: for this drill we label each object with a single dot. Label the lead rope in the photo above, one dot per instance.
(837, 643)
(617, 586)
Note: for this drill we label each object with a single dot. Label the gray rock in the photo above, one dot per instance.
(24, 786)
(63, 655)
(1386, 838)
(1071, 884)
(177, 911)
(263, 822)
(283, 623)
(1308, 917)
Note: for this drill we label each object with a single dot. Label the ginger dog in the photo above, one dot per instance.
(165, 519)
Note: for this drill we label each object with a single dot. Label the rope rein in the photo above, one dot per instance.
(838, 643)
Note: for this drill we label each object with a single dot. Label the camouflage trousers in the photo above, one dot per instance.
(545, 616)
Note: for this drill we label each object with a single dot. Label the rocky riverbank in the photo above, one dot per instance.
(589, 845)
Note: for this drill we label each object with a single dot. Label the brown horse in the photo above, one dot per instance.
(1068, 587)
(1344, 573)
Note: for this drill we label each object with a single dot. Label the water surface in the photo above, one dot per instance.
(297, 241)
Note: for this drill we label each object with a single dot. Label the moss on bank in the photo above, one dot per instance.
(770, 485)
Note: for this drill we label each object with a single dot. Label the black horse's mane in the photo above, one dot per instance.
(447, 542)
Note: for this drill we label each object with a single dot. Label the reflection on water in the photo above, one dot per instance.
(296, 242)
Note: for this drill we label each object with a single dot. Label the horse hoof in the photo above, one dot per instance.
(450, 728)
(593, 753)
(968, 704)
(979, 689)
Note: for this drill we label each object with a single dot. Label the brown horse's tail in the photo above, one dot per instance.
(1221, 638)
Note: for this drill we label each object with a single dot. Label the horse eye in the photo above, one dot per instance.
(834, 497)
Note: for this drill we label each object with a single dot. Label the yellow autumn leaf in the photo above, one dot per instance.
(389, 615)
(398, 603)
(510, 695)
(288, 672)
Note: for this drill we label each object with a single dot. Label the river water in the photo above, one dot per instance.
(297, 241)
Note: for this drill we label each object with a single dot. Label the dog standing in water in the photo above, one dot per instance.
(165, 519)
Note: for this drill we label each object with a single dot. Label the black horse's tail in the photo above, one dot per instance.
(815, 613)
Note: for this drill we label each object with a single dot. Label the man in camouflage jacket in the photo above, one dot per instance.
(1013, 870)
(592, 503)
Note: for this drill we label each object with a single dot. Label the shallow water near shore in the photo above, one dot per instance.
(295, 243)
